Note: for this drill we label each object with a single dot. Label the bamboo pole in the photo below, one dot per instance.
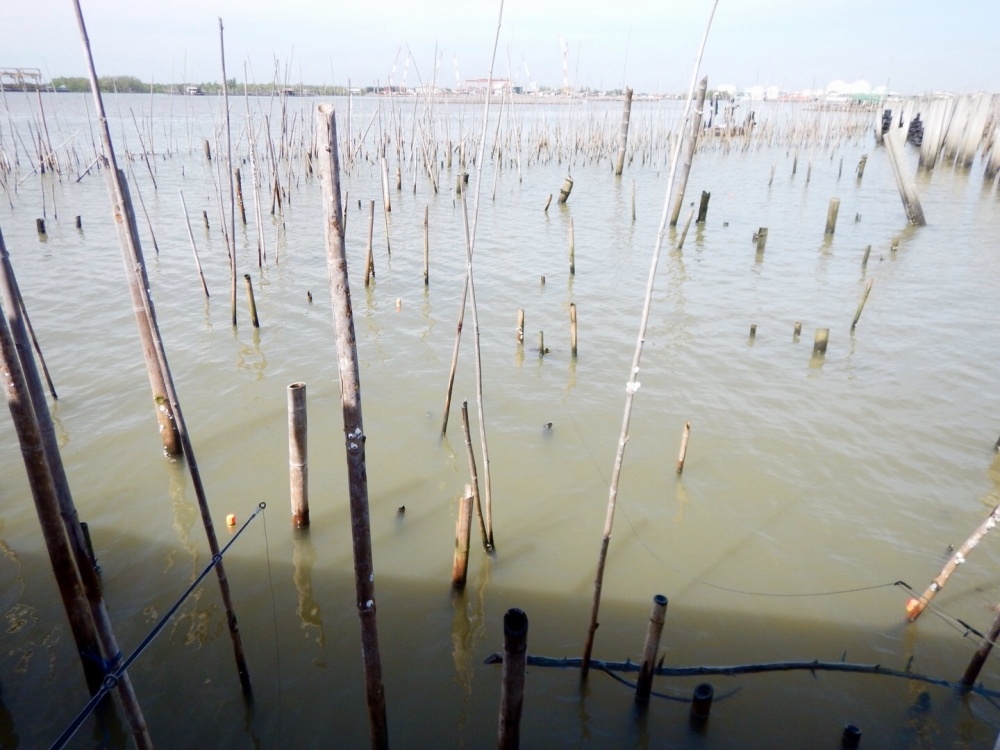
(982, 654)
(31, 334)
(463, 529)
(515, 651)
(298, 454)
(350, 389)
(229, 232)
(831, 215)
(690, 144)
(427, 247)
(633, 383)
(861, 305)
(128, 237)
(194, 248)
(470, 249)
(821, 340)
(703, 207)
(565, 190)
(644, 684)
(761, 238)
(519, 330)
(250, 301)
(687, 226)
(474, 475)
(370, 257)
(623, 132)
(904, 180)
(682, 455)
(76, 577)
(572, 249)
(915, 606)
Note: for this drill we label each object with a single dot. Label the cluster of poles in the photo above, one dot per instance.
(956, 131)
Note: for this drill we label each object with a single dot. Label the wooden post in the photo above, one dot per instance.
(548, 202)
(386, 203)
(298, 454)
(350, 389)
(915, 606)
(515, 657)
(684, 232)
(644, 684)
(79, 222)
(239, 196)
(904, 180)
(864, 260)
(40, 226)
(861, 305)
(572, 249)
(370, 260)
(64, 536)
(684, 447)
(427, 248)
(703, 208)
(463, 530)
(690, 144)
(565, 190)
(831, 215)
(204, 216)
(701, 704)
(541, 343)
(797, 330)
(250, 301)
(851, 737)
(819, 343)
(982, 653)
(519, 331)
(474, 476)
(623, 132)
(761, 239)
(861, 166)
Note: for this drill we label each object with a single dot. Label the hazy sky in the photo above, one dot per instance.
(913, 45)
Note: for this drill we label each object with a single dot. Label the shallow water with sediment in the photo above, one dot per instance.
(805, 476)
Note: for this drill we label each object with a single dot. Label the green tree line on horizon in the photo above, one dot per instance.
(133, 85)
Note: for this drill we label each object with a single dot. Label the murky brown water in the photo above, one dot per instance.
(802, 477)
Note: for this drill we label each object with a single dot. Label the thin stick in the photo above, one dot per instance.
(474, 475)
(633, 382)
(194, 248)
(350, 389)
(861, 305)
(230, 237)
(472, 242)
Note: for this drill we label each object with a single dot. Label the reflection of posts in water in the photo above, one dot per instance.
(250, 357)
(303, 558)
(185, 515)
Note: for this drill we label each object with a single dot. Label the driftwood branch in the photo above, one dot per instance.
(731, 671)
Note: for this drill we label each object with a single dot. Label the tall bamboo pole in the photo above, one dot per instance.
(230, 232)
(623, 132)
(194, 248)
(131, 249)
(633, 381)
(136, 272)
(471, 241)
(690, 144)
(61, 502)
(350, 389)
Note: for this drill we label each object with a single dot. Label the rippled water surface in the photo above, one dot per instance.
(804, 475)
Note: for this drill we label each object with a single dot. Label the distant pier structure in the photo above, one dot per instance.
(22, 79)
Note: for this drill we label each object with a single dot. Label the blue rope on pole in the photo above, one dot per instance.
(111, 679)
